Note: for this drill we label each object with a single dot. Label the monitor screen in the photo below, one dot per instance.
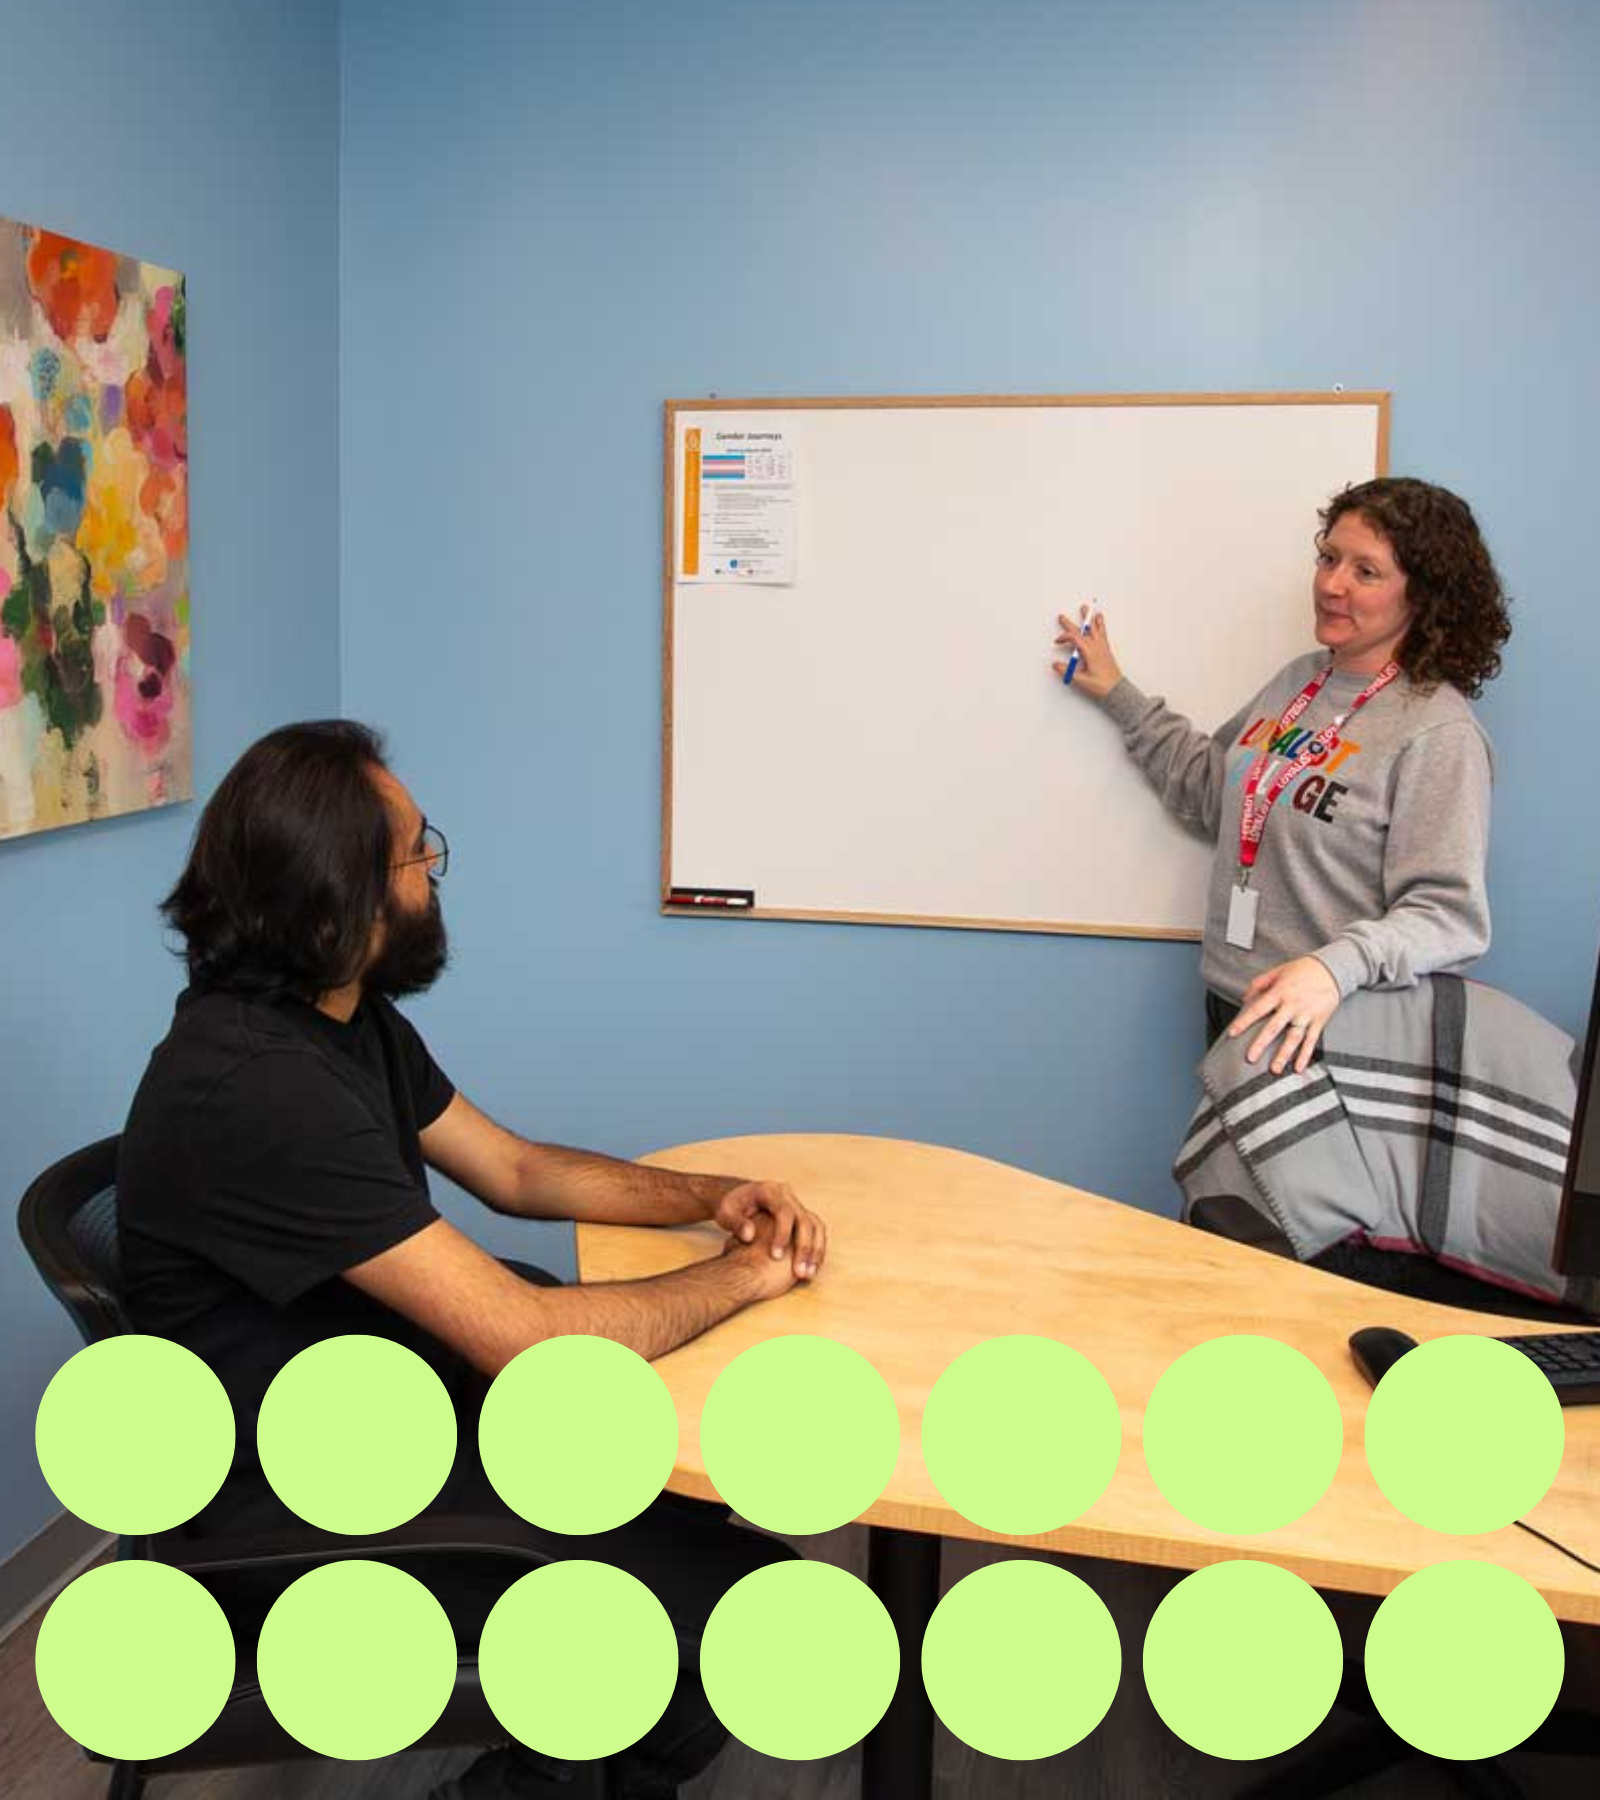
(1578, 1234)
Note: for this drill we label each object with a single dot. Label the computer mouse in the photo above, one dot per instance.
(1377, 1348)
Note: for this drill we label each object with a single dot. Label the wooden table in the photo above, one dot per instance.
(934, 1250)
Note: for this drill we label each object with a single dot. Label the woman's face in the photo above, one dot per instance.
(1359, 596)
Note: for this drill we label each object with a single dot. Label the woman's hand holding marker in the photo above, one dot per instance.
(1091, 664)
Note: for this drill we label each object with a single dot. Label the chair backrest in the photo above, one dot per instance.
(1397, 1272)
(68, 1224)
(1421, 1278)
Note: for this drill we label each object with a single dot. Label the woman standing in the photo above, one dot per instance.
(1349, 799)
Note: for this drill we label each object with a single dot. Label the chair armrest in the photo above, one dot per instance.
(309, 1547)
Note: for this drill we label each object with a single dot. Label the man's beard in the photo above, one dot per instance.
(415, 951)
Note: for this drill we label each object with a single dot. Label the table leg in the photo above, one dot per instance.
(897, 1757)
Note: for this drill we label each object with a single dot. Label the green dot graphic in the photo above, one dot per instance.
(356, 1434)
(800, 1434)
(578, 1660)
(134, 1435)
(1021, 1660)
(1464, 1434)
(1243, 1660)
(1021, 1434)
(799, 1660)
(1464, 1659)
(135, 1660)
(1242, 1434)
(356, 1660)
(578, 1434)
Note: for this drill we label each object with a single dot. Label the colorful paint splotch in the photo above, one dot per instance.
(94, 534)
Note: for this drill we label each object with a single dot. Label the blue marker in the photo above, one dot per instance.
(1085, 628)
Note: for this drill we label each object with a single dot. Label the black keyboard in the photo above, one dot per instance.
(1571, 1359)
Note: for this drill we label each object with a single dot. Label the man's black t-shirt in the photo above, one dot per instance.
(269, 1148)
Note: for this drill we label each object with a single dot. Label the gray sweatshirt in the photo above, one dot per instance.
(1373, 858)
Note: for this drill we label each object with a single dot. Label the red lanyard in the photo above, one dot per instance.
(1254, 813)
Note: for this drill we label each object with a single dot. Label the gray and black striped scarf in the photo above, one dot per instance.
(1435, 1119)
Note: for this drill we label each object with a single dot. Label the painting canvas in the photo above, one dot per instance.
(94, 533)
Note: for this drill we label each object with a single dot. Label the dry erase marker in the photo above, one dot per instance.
(731, 898)
(1086, 628)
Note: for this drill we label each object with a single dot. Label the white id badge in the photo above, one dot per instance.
(1242, 917)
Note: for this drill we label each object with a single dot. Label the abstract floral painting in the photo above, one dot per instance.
(94, 534)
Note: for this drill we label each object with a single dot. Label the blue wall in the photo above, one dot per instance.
(556, 216)
(202, 134)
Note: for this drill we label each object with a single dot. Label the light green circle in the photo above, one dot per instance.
(356, 1434)
(799, 1660)
(135, 1660)
(1464, 1434)
(800, 1434)
(578, 1660)
(134, 1435)
(1243, 1660)
(1021, 1434)
(1242, 1434)
(578, 1434)
(1021, 1660)
(356, 1660)
(1464, 1659)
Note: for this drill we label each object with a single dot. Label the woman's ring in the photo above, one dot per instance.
(1300, 1024)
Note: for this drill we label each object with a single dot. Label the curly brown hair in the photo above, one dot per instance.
(1459, 616)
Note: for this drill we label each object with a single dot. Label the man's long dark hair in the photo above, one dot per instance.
(289, 868)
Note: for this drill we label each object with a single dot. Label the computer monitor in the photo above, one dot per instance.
(1577, 1249)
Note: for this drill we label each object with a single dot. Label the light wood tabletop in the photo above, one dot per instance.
(934, 1250)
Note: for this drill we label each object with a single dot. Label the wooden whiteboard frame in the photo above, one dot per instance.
(1377, 398)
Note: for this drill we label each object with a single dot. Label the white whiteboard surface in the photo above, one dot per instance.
(885, 738)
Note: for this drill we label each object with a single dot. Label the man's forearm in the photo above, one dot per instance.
(654, 1315)
(558, 1183)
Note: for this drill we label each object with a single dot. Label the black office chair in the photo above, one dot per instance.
(1395, 1271)
(68, 1223)
(1371, 1747)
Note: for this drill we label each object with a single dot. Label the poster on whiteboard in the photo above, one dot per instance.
(737, 483)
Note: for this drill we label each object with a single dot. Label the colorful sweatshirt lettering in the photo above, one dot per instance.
(1313, 790)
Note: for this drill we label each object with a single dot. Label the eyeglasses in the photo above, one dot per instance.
(435, 852)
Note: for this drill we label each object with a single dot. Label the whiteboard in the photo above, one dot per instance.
(884, 739)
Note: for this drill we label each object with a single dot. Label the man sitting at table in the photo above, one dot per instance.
(273, 1192)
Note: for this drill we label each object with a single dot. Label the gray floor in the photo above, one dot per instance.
(1130, 1756)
